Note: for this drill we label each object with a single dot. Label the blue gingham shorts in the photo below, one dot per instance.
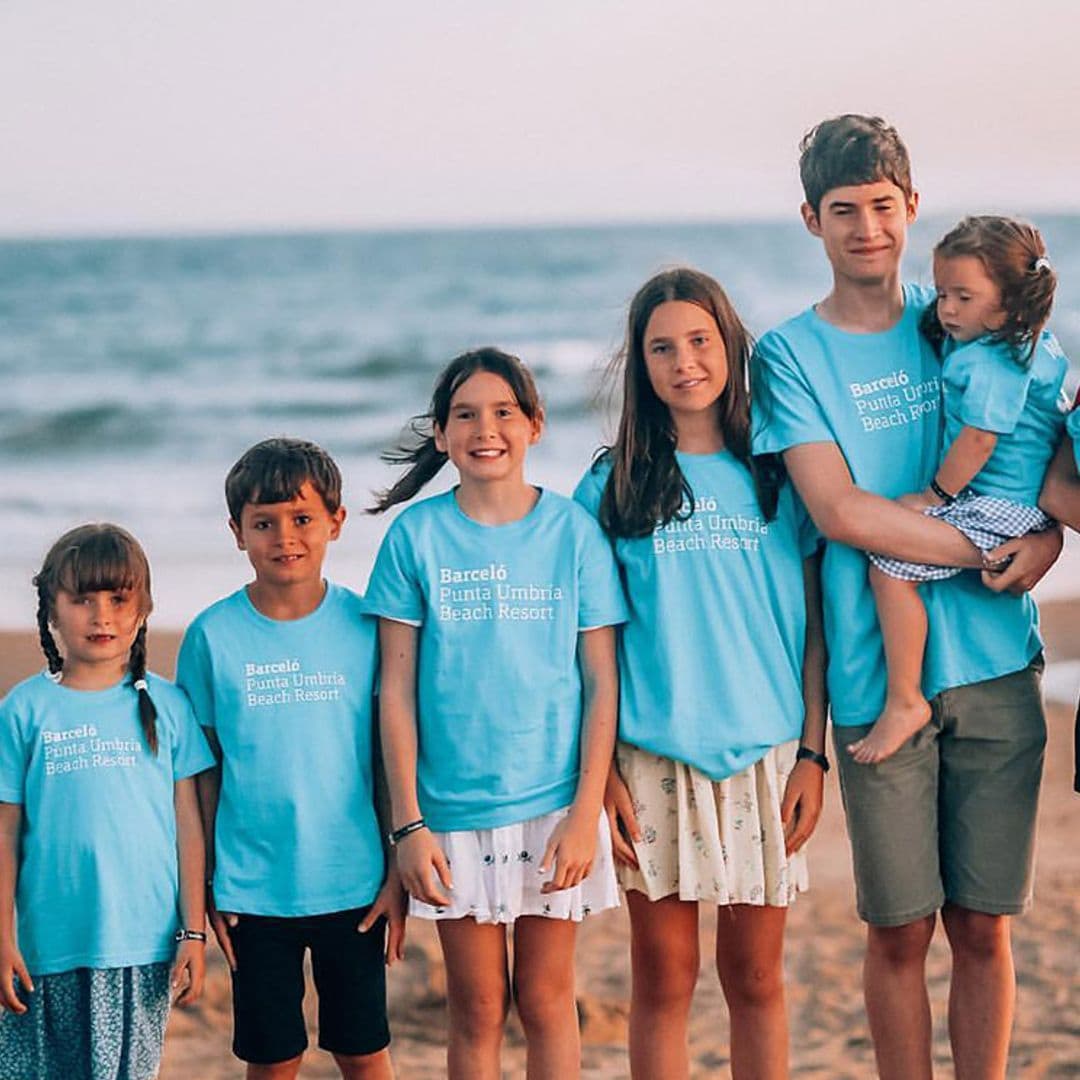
(985, 520)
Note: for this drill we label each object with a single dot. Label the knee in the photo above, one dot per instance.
(666, 980)
(480, 1013)
(974, 935)
(900, 946)
(752, 985)
(365, 1066)
(540, 1006)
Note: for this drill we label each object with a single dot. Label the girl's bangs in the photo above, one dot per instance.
(102, 563)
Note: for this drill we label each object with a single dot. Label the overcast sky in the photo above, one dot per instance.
(151, 115)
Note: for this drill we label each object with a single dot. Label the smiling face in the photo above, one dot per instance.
(97, 630)
(685, 358)
(487, 433)
(286, 541)
(863, 228)
(968, 299)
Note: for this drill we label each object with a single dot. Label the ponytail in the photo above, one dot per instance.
(48, 642)
(424, 459)
(147, 709)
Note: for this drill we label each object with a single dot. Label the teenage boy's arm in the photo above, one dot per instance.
(191, 856)
(418, 855)
(11, 960)
(1060, 496)
(847, 514)
(572, 845)
(208, 784)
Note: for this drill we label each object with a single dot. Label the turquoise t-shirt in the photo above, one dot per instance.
(878, 398)
(986, 388)
(291, 704)
(98, 878)
(710, 661)
(499, 696)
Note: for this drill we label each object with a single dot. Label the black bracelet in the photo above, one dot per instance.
(398, 835)
(941, 493)
(804, 753)
(190, 935)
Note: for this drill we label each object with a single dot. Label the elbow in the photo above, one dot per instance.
(837, 524)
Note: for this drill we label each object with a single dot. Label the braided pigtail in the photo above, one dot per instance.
(48, 642)
(147, 709)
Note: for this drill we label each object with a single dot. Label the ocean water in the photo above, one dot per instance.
(133, 372)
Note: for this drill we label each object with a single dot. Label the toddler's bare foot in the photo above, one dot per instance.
(896, 724)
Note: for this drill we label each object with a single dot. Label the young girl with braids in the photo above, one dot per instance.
(101, 847)
(1005, 410)
(496, 603)
(718, 777)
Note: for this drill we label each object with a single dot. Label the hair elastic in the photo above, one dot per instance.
(1040, 264)
(140, 684)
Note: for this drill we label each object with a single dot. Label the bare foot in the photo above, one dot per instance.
(896, 724)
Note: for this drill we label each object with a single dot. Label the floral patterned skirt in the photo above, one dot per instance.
(718, 841)
(88, 1024)
(496, 874)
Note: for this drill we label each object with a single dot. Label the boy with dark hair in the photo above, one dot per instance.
(281, 676)
(849, 393)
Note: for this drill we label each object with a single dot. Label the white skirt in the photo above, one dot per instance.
(718, 841)
(497, 878)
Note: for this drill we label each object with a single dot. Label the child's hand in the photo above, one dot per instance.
(619, 807)
(190, 960)
(801, 806)
(222, 922)
(12, 965)
(421, 863)
(393, 902)
(571, 848)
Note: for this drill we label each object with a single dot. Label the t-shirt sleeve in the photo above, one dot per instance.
(195, 675)
(601, 600)
(810, 539)
(785, 411)
(394, 590)
(12, 756)
(590, 489)
(1072, 428)
(191, 753)
(996, 390)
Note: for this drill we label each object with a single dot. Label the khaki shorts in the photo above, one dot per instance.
(950, 817)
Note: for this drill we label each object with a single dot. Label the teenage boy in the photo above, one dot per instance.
(849, 393)
(281, 675)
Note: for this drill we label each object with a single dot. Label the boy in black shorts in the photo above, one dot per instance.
(281, 675)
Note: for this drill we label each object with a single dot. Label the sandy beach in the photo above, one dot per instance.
(830, 1040)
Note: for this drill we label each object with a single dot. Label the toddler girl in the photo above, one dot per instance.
(1004, 414)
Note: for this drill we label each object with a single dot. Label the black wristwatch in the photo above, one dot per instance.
(189, 935)
(804, 753)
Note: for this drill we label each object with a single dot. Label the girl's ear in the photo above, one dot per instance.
(537, 424)
(439, 437)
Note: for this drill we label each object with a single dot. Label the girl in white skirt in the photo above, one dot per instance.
(497, 602)
(719, 767)
(1005, 407)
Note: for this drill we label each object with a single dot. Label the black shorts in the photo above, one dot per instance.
(268, 985)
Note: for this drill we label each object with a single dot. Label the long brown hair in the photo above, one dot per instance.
(420, 453)
(98, 558)
(1013, 255)
(646, 488)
